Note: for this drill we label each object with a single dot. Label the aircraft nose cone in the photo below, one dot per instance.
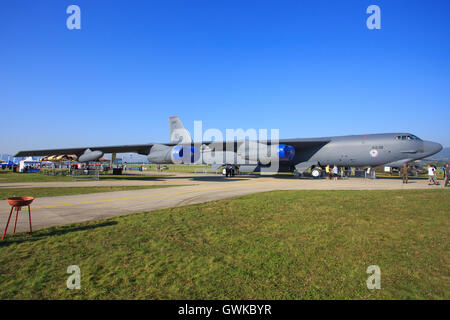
(431, 148)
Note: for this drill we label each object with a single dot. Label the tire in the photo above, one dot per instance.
(316, 172)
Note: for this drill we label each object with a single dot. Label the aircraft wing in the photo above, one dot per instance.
(305, 143)
(298, 144)
(138, 148)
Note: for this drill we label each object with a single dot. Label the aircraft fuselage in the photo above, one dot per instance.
(374, 149)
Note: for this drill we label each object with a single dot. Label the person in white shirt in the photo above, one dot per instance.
(432, 175)
(335, 172)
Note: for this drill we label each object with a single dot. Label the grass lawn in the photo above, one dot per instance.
(9, 176)
(64, 191)
(276, 245)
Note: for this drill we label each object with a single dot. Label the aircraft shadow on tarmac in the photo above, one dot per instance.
(195, 177)
(198, 177)
(133, 177)
(216, 178)
(165, 178)
(222, 178)
(38, 235)
(240, 177)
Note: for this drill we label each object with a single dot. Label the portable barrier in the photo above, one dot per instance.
(55, 172)
(352, 173)
(91, 174)
(205, 170)
(345, 174)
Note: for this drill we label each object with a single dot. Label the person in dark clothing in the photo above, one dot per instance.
(405, 173)
(227, 170)
(446, 174)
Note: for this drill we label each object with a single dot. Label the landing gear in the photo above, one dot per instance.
(316, 172)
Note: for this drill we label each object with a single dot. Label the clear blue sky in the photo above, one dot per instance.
(309, 68)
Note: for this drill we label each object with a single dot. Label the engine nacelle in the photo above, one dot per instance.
(286, 152)
(184, 154)
(177, 154)
(264, 153)
(89, 155)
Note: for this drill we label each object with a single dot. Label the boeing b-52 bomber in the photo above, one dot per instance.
(290, 155)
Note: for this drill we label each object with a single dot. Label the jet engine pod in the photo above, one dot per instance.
(283, 153)
(184, 154)
(89, 155)
(286, 152)
(265, 154)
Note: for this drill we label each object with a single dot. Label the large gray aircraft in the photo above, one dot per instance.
(290, 155)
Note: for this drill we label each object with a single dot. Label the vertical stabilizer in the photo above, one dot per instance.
(178, 134)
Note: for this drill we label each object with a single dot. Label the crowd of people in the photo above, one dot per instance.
(333, 172)
(5, 166)
(230, 170)
(432, 174)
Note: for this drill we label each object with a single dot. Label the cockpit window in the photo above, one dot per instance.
(407, 137)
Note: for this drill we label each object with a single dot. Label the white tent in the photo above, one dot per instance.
(29, 162)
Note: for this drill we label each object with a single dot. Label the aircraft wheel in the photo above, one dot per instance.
(316, 172)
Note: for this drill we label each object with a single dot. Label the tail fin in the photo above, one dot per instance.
(178, 134)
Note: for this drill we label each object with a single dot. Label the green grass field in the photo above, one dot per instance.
(64, 191)
(276, 245)
(9, 176)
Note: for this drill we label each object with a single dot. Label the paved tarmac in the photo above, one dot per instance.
(195, 188)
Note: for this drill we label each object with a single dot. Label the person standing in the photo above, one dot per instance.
(446, 174)
(227, 170)
(436, 180)
(327, 171)
(431, 175)
(335, 172)
(232, 170)
(405, 173)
